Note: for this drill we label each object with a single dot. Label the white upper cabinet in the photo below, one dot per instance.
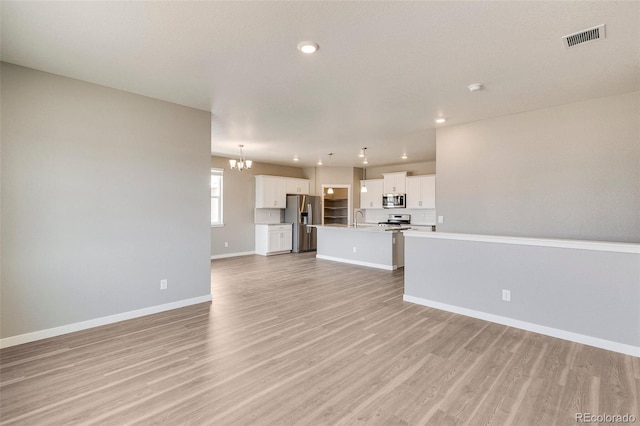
(297, 186)
(394, 183)
(421, 192)
(271, 192)
(372, 199)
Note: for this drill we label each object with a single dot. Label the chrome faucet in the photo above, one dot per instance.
(355, 217)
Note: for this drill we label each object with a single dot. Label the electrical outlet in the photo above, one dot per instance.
(354, 249)
(226, 243)
(506, 295)
(163, 284)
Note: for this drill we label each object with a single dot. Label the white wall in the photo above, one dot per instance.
(104, 193)
(571, 171)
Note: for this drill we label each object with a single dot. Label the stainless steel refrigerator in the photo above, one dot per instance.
(302, 211)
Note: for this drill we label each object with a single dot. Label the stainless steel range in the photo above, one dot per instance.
(397, 221)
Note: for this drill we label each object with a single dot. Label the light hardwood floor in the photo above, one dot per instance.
(291, 340)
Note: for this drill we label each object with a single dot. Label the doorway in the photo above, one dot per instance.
(336, 207)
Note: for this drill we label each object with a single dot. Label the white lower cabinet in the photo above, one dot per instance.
(273, 238)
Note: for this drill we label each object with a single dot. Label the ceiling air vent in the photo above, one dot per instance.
(584, 36)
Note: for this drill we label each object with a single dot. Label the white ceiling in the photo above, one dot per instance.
(384, 70)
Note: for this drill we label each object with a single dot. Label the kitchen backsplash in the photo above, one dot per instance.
(269, 216)
(418, 216)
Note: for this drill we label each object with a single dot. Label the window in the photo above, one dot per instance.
(216, 197)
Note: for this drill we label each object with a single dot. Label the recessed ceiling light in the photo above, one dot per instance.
(440, 120)
(319, 162)
(295, 158)
(308, 47)
(475, 87)
(404, 156)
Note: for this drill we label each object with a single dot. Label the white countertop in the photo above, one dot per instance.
(543, 242)
(361, 228)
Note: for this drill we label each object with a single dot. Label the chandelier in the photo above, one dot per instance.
(240, 164)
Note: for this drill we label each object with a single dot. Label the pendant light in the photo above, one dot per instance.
(240, 164)
(363, 188)
(330, 190)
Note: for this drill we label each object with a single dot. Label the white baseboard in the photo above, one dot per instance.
(357, 262)
(222, 256)
(83, 325)
(524, 325)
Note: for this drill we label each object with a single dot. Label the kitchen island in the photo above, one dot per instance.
(366, 245)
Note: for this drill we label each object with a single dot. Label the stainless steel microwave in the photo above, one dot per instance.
(394, 201)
